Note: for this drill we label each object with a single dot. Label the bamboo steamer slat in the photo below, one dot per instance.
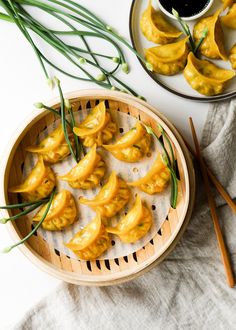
(99, 272)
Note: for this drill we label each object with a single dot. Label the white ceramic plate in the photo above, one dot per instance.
(177, 84)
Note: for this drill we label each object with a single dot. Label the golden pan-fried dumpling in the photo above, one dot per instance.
(205, 77)
(156, 180)
(97, 127)
(227, 3)
(213, 44)
(112, 197)
(230, 19)
(62, 212)
(232, 57)
(168, 59)
(156, 28)
(91, 241)
(132, 146)
(88, 172)
(54, 147)
(38, 184)
(135, 224)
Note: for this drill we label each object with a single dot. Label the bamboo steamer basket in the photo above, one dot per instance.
(109, 271)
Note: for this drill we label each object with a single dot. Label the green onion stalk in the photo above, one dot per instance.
(104, 74)
(65, 105)
(17, 20)
(111, 31)
(24, 204)
(68, 11)
(9, 248)
(63, 119)
(65, 50)
(78, 145)
(92, 21)
(17, 216)
(82, 34)
(32, 206)
(100, 78)
(185, 27)
(169, 161)
(66, 55)
(163, 133)
(59, 44)
(40, 105)
(204, 34)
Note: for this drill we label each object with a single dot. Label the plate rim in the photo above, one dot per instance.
(202, 99)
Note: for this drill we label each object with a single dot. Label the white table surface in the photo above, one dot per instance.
(21, 85)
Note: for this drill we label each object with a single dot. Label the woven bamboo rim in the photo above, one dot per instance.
(110, 271)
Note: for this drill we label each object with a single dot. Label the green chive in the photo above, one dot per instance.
(9, 248)
(116, 59)
(185, 28)
(17, 20)
(79, 14)
(204, 34)
(101, 77)
(149, 66)
(24, 204)
(40, 105)
(125, 68)
(78, 146)
(63, 119)
(166, 160)
(170, 146)
(141, 98)
(21, 214)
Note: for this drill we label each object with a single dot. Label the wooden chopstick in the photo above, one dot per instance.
(214, 180)
(211, 202)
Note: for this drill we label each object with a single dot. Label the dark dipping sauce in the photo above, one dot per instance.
(185, 8)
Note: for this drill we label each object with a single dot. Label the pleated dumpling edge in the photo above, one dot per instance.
(156, 28)
(205, 77)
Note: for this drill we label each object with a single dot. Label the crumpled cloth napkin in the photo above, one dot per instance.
(186, 291)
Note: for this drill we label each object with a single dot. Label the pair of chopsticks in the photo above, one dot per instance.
(206, 173)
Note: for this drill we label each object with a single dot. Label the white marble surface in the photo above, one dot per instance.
(22, 84)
